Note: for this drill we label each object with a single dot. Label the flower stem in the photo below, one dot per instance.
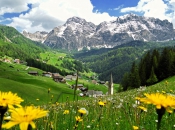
(29, 127)
(160, 113)
(2, 112)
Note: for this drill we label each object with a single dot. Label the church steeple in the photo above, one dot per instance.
(110, 86)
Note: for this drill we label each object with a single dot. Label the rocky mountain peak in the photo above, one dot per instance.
(77, 33)
(75, 20)
(37, 36)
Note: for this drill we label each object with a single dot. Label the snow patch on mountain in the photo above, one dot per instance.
(77, 33)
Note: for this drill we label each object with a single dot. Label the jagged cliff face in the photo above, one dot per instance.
(77, 33)
(37, 36)
(72, 35)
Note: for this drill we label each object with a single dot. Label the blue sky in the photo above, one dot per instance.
(44, 15)
(113, 6)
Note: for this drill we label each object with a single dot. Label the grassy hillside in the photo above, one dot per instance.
(15, 78)
(65, 62)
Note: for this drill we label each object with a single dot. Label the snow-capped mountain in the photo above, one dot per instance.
(77, 33)
(73, 34)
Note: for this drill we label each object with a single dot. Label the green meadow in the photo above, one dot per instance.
(121, 111)
(15, 78)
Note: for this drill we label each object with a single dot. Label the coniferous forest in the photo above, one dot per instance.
(153, 67)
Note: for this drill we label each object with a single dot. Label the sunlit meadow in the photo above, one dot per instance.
(131, 110)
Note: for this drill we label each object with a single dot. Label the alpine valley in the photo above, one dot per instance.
(107, 48)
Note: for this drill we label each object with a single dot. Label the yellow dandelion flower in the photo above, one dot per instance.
(137, 98)
(101, 103)
(9, 99)
(66, 112)
(159, 100)
(57, 103)
(135, 128)
(24, 117)
(78, 118)
(83, 111)
(166, 82)
(143, 108)
(76, 125)
(163, 92)
(49, 90)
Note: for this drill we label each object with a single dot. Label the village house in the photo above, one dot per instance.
(17, 61)
(35, 73)
(47, 74)
(58, 78)
(78, 86)
(7, 60)
(93, 93)
(68, 77)
(101, 82)
(55, 74)
(94, 81)
(74, 77)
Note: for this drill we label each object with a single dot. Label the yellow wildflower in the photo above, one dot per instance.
(66, 112)
(166, 82)
(143, 108)
(163, 92)
(159, 100)
(49, 90)
(57, 103)
(24, 117)
(8, 99)
(78, 118)
(101, 103)
(135, 128)
(83, 111)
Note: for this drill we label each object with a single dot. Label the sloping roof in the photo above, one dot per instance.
(33, 72)
(55, 74)
(98, 92)
(58, 77)
(78, 85)
(102, 82)
(68, 76)
(90, 92)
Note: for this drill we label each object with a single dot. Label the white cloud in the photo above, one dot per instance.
(12, 6)
(155, 8)
(47, 14)
(119, 7)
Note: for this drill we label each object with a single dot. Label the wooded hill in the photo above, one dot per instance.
(117, 60)
(14, 44)
(155, 66)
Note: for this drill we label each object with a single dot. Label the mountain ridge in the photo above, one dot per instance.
(78, 34)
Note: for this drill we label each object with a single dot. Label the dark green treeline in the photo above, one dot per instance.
(155, 66)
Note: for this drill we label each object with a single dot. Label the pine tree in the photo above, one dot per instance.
(153, 78)
(125, 81)
(134, 79)
(165, 64)
(142, 72)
